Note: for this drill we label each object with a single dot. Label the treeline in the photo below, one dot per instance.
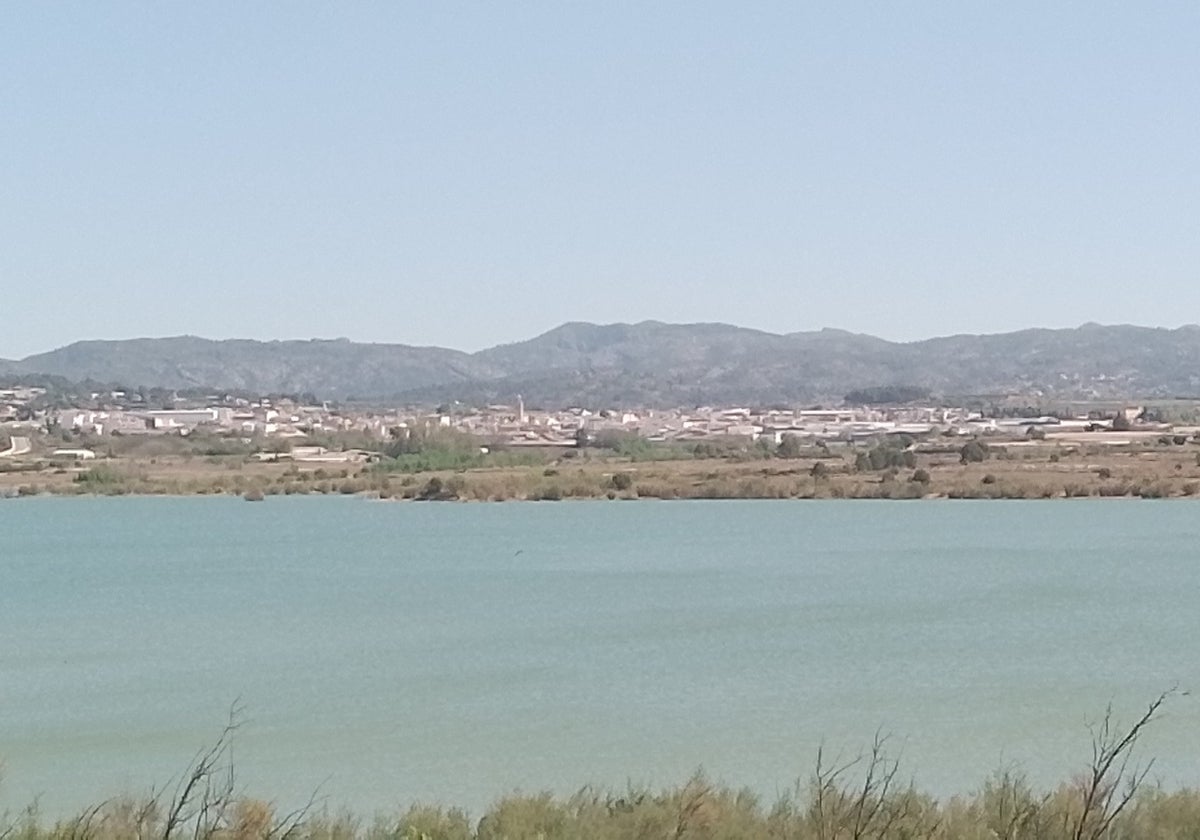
(887, 395)
(434, 449)
(439, 449)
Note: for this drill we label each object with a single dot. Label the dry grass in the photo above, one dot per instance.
(1042, 470)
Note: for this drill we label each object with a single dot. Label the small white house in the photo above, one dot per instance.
(75, 454)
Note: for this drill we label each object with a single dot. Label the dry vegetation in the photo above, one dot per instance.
(860, 798)
(1156, 467)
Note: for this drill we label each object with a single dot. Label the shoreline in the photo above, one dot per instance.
(1049, 470)
(371, 497)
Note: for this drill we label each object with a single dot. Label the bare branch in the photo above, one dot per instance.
(291, 824)
(1111, 770)
(197, 801)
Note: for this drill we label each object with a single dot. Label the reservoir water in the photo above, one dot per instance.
(387, 653)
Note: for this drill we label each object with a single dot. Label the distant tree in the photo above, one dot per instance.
(819, 471)
(902, 440)
(277, 445)
(622, 481)
(890, 456)
(974, 452)
(920, 477)
(622, 442)
(1120, 422)
(415, 441)
(789, 446)
(1036, 433)
(879, 457)
(862, 462)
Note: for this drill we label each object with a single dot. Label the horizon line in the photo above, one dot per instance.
(574, 323)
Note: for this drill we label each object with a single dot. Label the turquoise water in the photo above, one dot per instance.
(387, 653)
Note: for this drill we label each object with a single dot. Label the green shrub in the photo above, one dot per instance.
(974, 452)
(789, 446)
(622, 481)
(549, 493)
(101, 475)
(433, 489)
(889, 456)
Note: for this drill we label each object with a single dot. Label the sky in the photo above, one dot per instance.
(471, 174)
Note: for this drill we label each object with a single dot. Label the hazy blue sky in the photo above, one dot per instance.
(470, 174)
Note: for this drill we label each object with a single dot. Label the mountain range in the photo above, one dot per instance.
(654, 364)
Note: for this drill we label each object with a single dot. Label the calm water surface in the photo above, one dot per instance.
(394, 652)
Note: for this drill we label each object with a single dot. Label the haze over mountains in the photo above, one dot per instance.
(655, 364)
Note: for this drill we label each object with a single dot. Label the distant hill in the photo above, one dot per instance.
(332, 369)
(657, 364)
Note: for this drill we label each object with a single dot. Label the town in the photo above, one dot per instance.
(117, 442)
(37, 429)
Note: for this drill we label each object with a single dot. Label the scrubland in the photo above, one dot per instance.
(1158, 468)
